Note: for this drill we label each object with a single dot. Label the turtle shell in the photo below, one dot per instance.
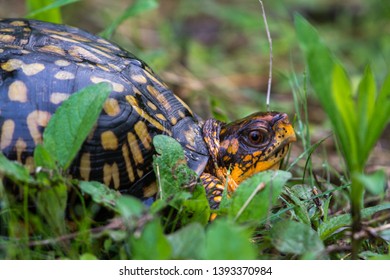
(42, 64)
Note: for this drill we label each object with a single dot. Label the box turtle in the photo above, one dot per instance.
(42, 64)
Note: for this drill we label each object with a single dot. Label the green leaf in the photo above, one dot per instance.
(295, 238)
(42, 158)
(14, 170)
(47, 10)
(249, 204)
(188, 242)
(300, 208)
(375, 183)
(51, 204)
(73, 121)
(138, 7)
(51, 14)
(130, 207)
(152, 244)
(88, 257)
(327, 229)
(226, 240)
(366, 104)
(196, 208)
(100, 193)
(173, 174)
(345, 122)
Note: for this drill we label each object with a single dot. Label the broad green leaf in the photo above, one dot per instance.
(42, 158)
(226, 240)
(365, 106)
(100, 193)
(196, 208)
(346, 126)
(300, 208)
(73, 121)
(47, 8)
(173, 175)
(327, 229)
(130, 207)
(249, 204)
(133, 213)
(188, 242)
(295, 238)
(51, 205)
(138, 7)
(14, 171)
(375, 183)
(152, 244)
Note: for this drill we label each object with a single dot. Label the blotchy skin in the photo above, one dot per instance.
(243, 148)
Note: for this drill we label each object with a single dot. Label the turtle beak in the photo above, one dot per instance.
(284, 126)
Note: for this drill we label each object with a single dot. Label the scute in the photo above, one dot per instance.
(54, 61)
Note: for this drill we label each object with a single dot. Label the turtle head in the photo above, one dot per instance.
(255, 143)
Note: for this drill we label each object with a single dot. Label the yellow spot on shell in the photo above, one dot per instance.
(64, 75)
(142, 132)
(53, 49)
(17, 91)
(17, 23)
(181, 114)
(133, 102)
(7, 133)
(111, 107)
(1, 50)
(12, 65)
(111, 173)
(58, 97)
(173, 120)
(62, 63)
(150, 190)
(135, 149)
(139, 79)
(7, 38)
(85, 166)
(81, 53)
(115, 86)
(151, 106)
(34, 120)
(61, 38)
(161, 117)
(109, 140)
(129, 168)
(28, 69)
(20, 147)
(153, 78)
(33, 69)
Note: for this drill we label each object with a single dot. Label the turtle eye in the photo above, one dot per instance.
(256, 137)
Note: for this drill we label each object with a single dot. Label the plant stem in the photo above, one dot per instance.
(357, 191)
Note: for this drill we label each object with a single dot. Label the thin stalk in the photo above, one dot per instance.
(356, 195)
